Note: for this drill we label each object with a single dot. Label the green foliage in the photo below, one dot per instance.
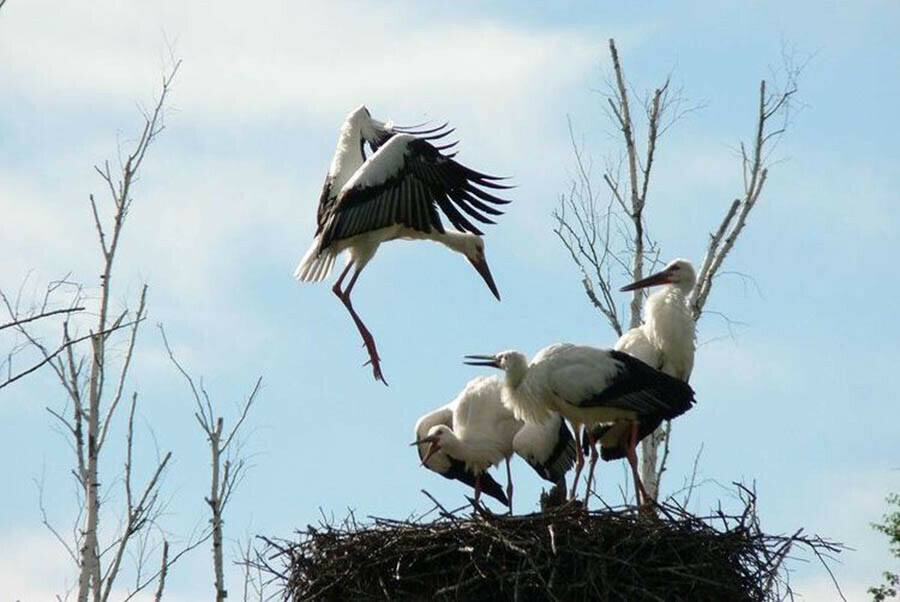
(891, 528)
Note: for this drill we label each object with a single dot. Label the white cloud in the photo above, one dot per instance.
(286, 58)
(34, 566)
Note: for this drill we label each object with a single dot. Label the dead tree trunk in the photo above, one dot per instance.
(586, 226)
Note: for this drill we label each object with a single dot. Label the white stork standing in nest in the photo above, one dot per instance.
(475, 431)
(395, 193)
(664, 341)
(588, 386)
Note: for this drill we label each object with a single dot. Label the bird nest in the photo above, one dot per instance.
(560, 554)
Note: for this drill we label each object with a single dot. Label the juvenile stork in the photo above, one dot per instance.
(665, 341)
(462, 439)
(395, 193)
(588, 386)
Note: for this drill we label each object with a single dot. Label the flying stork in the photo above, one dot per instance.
(395, 193)
(588, 386)
(462, 439)
(664, 341)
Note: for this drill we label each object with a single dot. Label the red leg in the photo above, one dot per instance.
(579, 460)
(509, 486)
(477, 489)
(640, 493)
(594, 456)
(368, 341)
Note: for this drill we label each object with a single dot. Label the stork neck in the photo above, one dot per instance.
(461, 242)
(453, 446)
(348, 156)
(662, 300)
(515, 373)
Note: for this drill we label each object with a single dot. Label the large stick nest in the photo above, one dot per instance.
(560, 554)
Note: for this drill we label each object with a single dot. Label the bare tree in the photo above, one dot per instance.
(228, 466)
(95, 384)
(608, 239)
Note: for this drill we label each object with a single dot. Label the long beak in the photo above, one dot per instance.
(481, 360)
(483, 269)
(657, 278)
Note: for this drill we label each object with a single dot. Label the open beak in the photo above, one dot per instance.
(481, 360)
(657, 278)
(483, 269)
(432, 448)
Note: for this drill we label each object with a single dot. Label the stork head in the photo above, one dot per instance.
(679, 273)
(438, 437)
(512, 362)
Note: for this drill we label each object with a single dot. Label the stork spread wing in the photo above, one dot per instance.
(632, 385)
(405, 182)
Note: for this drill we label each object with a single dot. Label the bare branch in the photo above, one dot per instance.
(18, 322)
(225, 476)
(163, 571)
(141, 314)
(46, 521)
(48, 357)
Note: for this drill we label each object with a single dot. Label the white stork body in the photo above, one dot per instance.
(395, 193)
(587, 386)
(476, 431)
(665, 340)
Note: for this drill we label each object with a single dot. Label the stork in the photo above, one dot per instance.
(665, 341)
(588, 386)
(395, 193)
(462, 439)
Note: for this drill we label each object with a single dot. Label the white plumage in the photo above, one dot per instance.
(397, 193)
(475, 431)
(665, 340)
(587, 386)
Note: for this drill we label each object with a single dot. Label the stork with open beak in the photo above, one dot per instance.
(588, 386)
(462, 439)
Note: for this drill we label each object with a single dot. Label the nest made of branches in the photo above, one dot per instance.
(561, 554)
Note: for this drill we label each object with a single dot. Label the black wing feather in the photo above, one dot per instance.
(427, 181)
(644, 390)
(561, 459)
(654, 395)
(488, 485)
(326, 204)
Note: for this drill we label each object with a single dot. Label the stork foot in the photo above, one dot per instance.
(375, 362)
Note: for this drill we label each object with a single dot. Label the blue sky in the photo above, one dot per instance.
(800, 401)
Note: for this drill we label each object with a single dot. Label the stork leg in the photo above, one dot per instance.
(640, 494)
(594, 456)
(368, 341)
(477, 489)
(579, 460)
(509, 486)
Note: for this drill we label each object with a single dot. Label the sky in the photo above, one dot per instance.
(797, 399)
